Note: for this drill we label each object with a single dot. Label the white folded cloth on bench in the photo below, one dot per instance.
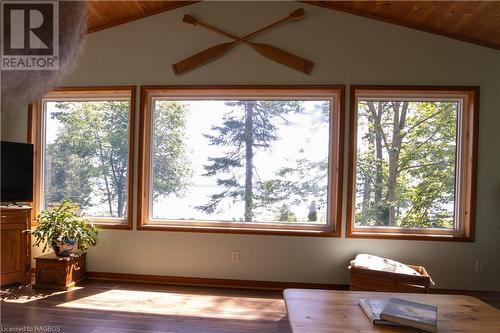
(369, 261)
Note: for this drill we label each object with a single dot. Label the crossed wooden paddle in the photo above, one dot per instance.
(265, 50)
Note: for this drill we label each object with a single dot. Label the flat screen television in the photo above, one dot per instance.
(16, 165)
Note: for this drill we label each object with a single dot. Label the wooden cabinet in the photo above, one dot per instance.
(60, 273)
(16, 245)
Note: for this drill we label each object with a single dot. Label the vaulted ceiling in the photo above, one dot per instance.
(106, 14)
(476, 22)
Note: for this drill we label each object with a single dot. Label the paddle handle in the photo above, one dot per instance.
(294, 16)
(191, 20)
(267, 27)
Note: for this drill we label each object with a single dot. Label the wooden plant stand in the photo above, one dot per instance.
(61, 273)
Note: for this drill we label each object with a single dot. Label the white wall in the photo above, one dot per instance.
(346, 50)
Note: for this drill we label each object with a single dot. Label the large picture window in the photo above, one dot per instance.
(241, 159)
(84, 152)
(412, 162)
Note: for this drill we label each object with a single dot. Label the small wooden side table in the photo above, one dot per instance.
(61, 273)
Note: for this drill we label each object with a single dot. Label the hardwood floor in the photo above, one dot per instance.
(109, 307)
(122, 307)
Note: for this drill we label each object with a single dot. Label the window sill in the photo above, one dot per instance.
(103, 225)
(240, 230)
(115, 226)
(409, 236)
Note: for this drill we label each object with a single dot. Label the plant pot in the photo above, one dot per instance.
(62, 248)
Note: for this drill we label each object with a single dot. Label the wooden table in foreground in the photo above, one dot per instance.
(319, 311)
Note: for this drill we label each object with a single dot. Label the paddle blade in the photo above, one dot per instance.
(189, 19)
(201, 58)
(297, 14)
(284, 58)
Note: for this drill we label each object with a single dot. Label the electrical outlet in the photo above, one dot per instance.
(235, 257)
(478, 266)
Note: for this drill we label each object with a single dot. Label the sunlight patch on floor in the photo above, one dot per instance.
(181, 304)
(23, 295)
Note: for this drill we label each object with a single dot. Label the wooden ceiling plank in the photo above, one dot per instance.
(482, 10)
(462, 16)
(440, 18)
(114, 9)
(428, 16)
(93, 16)
(434, 22)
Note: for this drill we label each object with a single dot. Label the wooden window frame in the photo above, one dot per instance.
(466, 166)
(336, 152)
(36, 133)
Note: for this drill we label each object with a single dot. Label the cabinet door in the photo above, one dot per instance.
(14, 247)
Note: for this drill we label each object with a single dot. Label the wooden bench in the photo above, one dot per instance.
(374, 280)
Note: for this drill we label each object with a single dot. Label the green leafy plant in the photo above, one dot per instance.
(64, 223)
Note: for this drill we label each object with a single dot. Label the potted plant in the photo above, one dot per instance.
(62, 228)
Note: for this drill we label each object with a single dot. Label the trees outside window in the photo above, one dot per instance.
(84, 140)
(86, 155)
(411, 161)
(250, 161)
